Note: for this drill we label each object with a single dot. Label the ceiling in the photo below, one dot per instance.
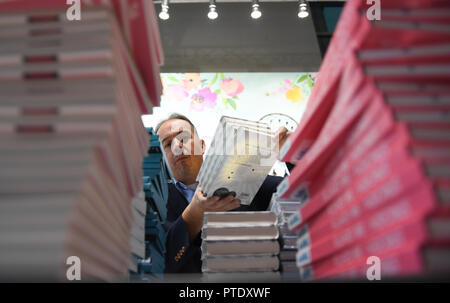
(277, 42)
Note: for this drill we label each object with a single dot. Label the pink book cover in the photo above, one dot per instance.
(128, 67)
(311, 207)
(421, 101)
(335, 128)
(324, 91)
(13, 5)
(435, 73)
(352, 262)
(138, 29)
(392, 148)
(434, 15)
(410, 4)
(338, 163)
(396, 261)
(351, 163)
(428, 54)
(399, 34)
(394, 216)
(343, 214)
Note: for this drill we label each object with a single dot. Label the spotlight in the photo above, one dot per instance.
(256, 13)
(303, 9)
(212, 14)
(164, 14)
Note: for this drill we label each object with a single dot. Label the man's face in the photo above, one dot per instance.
(184, 150)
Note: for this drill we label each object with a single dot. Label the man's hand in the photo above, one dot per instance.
(214, 203)
(280, 138)
(193, 214)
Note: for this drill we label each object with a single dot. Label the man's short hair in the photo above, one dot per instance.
(176, 116)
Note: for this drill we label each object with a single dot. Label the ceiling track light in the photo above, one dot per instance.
(212, 14)
(164, 14)
(302, 9)
(256, 13)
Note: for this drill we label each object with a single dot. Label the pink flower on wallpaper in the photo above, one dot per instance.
(287, 85)
(176, 92)
(203, 99)
(191, 81)
(231, 87)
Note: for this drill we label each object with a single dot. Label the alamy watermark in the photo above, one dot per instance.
(74, 11)
(374, 270)
(374, 11)
(73, 272)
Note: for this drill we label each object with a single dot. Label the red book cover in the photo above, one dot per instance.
(345, 214)
(349, 106)
(405, 260)
(391, 217)
(411, 4)
(388, 151)
(14, 5)
(421, 73)
(138, 29)
(380, 128)
(352, 262)
(325, 89)
(400, 34)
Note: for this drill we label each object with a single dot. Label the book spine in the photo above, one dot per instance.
(345, 210)
(379, 129)
(323, 94)
(20, 5)
(397, 258)
(310, 165)
(368, 225)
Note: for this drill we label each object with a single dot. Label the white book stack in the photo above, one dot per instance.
(240, 244)
(71, 147)
(137, 237)
(283, 210)
(239, 158)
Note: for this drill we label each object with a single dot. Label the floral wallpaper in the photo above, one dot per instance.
(223, 92)
(205, 97)
(202, 93)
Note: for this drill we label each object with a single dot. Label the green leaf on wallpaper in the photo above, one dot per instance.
(217, 91)
(213, 80)
(302, 78)
(224, 101)
(310, 83)
(222, 76)
(232, 103)
(173, 78)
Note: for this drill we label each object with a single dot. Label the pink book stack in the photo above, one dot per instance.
(372, 151)
(71, 137)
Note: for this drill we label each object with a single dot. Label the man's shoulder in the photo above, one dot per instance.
(271, 181)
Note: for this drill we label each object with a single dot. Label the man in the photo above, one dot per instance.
(186, 203)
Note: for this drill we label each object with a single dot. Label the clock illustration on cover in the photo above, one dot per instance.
(275, 121)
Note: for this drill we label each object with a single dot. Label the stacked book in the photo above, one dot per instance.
(156, 177)
(372, 151)
(288, 239)
(137, 21)
(240, 243)
(137, 237)
(238, 160)
(71, 146)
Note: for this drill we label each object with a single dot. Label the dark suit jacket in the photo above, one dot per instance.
(183, 255)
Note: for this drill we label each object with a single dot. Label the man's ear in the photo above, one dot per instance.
(203, 146)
